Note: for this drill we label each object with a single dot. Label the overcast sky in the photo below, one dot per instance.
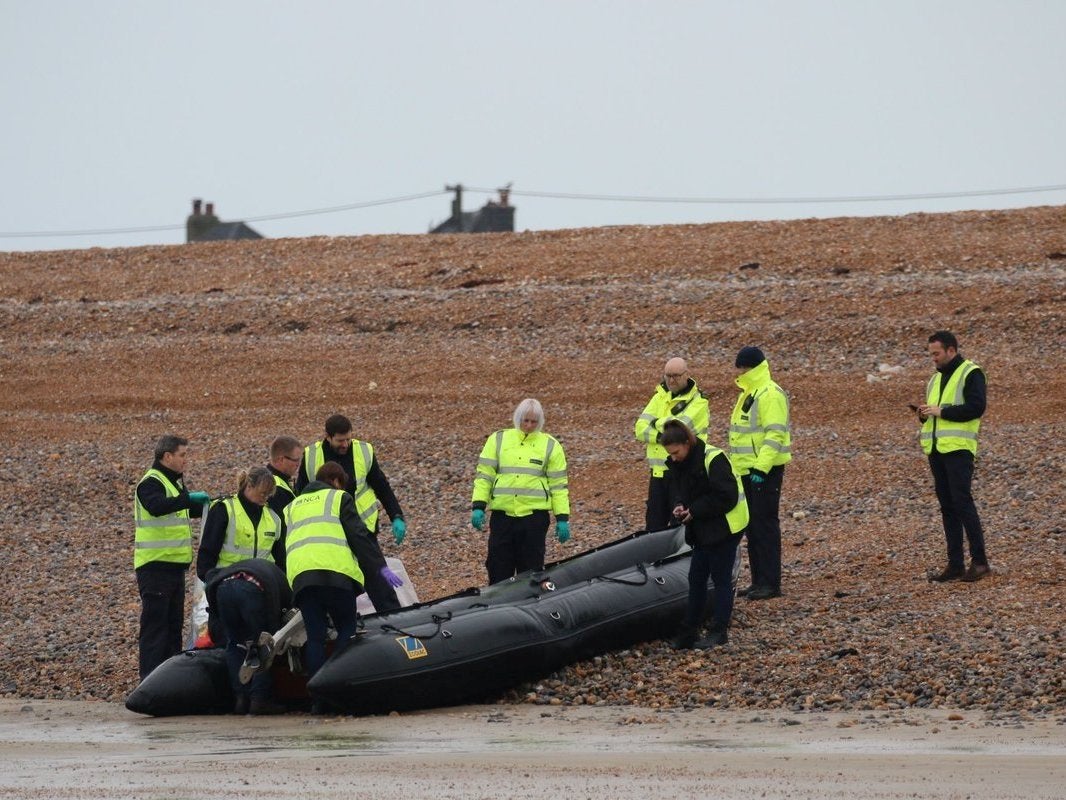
(117, 113)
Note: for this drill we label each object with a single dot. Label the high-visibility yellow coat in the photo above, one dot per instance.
(760, 434)
(366, 500)
(519, 473)
(737, 517)
(690, 407)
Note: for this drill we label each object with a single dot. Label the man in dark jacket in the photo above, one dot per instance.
(249, 597)
(707, 498)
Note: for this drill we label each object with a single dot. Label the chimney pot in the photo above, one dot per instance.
(210, 209)
(196, 208)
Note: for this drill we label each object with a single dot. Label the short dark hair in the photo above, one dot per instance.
(168, 443)
(331, 471)
(283, 445)
(677, 432)
(946, 338)
(338, 423)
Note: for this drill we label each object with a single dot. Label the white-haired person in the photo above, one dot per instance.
(521, 478)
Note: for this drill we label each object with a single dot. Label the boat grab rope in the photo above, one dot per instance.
(437, 620)
(608, 579)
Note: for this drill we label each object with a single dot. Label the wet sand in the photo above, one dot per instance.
(64, 749)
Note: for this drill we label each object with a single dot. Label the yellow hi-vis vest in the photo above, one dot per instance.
(245, 540)
(167, 538)
(520, 473)
(949, 436)
(692, 409)
(366, 501)
(737, 516)
(315, 538)
(761, 436)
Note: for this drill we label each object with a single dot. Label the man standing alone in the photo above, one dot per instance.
(162, 550)
(951, 418)
(760, 444)
(677, 397)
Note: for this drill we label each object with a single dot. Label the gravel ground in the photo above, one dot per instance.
(428, 342)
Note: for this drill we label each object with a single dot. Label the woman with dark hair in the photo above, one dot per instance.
(708, 500)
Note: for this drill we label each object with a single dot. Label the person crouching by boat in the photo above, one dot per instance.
(327, 550)
(249, 597)
(707, 498)
(521, 475)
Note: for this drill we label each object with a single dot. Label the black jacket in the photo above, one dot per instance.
(282, 495)
(275, 586)
(707, 494)
(974, 393)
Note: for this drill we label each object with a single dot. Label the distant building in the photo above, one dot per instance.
(206, 227)
(493, 216)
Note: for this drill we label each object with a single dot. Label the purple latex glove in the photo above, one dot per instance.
(391, 577)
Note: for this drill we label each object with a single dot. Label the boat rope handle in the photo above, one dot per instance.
(438, 620)
(608, 579)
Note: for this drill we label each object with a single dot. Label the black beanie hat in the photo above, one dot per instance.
(750, 357)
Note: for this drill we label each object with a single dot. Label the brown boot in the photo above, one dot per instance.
(976, 572)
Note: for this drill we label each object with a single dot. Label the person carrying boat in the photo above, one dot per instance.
(365, 481)
(676, 397)
(708, 499)
(328, 551)
(162, 550)
(521, 476)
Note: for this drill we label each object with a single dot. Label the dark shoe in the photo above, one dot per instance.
(240, 705)
(744, 592)
(763, 593)
(949, 574)
(976, 572)
(264, 706)
(715, 638)
(685, 638)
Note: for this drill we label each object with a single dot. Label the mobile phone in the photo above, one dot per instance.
(912, 407)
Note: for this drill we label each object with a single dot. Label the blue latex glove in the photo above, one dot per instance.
(391, 577)
(562, 531)
(477, 518)
(399, 530)
(757, 478)
(200, 498)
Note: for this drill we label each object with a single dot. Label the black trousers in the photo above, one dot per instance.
(715, 562)
(381, 594)
(658, 512)
(952, 475)
(516, 544)
(243, 609)
(319, 604)
(162, 594)
(764, 529)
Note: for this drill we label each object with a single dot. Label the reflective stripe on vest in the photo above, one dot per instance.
(949, 436)
(737, 516)
(244, 540)
(315, 538)
(520, 487)
(366, 501)
(167, 538)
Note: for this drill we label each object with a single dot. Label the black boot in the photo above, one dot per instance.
(716, 636)
(685, 638)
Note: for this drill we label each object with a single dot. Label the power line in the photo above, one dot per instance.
(563, 196)
(775, 200)
(263, 218)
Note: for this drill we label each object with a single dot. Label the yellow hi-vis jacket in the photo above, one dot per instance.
(520, 473)
(949, 436)
(690, 407)
(737, 517)
(245, 540)
(366, 501)
(166, 538)
(315, 538)
(760, 434)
